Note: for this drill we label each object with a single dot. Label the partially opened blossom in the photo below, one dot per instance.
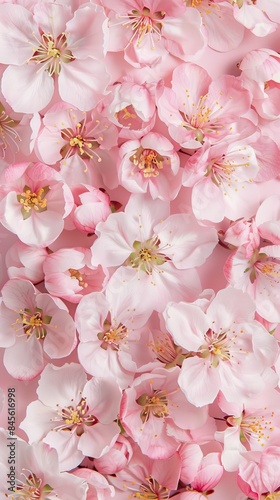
(152, 410)
(228, 350)
(131, 107)
(91, 205)
(73, 415)
(110, 335)
(70, 275)
(35, 327)
(98, 486)
(116, 459)
(261, 73)
(199, 473)
(34, 202)
(26, 262)
(53, 44)
(37, 473)
(197, 109)
(147, 478)
(150, 164)
(81, 142)
(147, 30)
(155, 252)
(259, 475)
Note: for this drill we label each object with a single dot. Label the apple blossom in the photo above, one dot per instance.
(65, 46)
(73, 415)
(147, 478)
(224, 32)
(110, 335)
(228, 350)
(199, 110)
(150, 164)
(154, 250)
(26, 262)
(80, 141)
(34, 202)
(35, 327)
(70, 275)
(254, 425)
(147, 30)
(37, 473)
(91, 205)
(153, 407)
(259, 475)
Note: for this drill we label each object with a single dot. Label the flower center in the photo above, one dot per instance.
(202, 121)
(51, 53)
(151, 490)
(257, 426)
(217, 346)
(148, 161)
(144, 23)
(33, 200)
(33, 323)
(74, 418)
(166, 351)
(113, 336)
(155, 404)
(75, 274)
(222, 170)
(146, 256)
(78, 142)
(7, 131)
(31, 488)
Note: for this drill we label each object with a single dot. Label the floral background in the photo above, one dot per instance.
(140, 257)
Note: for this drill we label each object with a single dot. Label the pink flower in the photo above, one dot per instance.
(34, 326)
(76, 416)
(70, 275)
(131, 106)
(198, 110)
(200, 473)
(98, 486)
(155, 252)
(35, 200)
(146, 477)
(26, 262)
(81, 142)
(260, 71)
(147, 30)
(259, 476)
(37, 473)
(258, 275)
(221, 176)
(228, 350)
(91, 206)
(110, 333)
(150, 164)
(254, 425)
(259, 17)
(243, 233)
(9, 137)
(224, 33)
(116, 459)
(152, 410)
(64, 46)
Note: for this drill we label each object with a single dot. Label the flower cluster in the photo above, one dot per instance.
(140, 299)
